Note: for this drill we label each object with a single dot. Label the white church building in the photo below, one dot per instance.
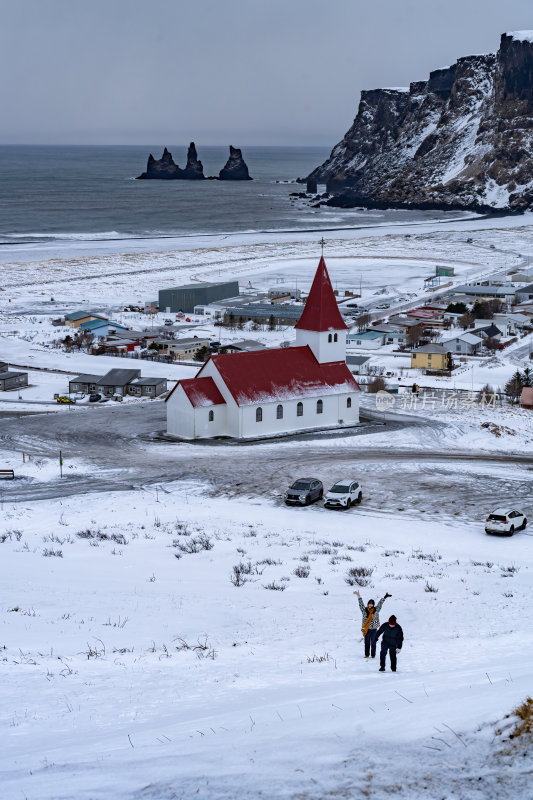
(280, 390)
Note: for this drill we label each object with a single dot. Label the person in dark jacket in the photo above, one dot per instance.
(370, 622)
(391, 643)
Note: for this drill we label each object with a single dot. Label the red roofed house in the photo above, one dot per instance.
(274, 391)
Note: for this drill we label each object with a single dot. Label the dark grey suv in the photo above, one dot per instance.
(304, 491)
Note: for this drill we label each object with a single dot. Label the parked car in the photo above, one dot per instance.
(383, 305)
(64, 399)
(505, 520)
(304, 491)
(343, 494)
(94, 398)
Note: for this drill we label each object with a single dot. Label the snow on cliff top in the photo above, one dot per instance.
(521, 36)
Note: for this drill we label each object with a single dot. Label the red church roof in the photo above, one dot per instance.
(201, 392)
(283, 373)
(321, 312)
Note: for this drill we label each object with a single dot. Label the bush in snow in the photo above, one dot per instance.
(429, 588)
(102, 536)
(508, 572)
(359, 576)
(275, 587)
(195, 544)
(302, 571)
(8, 534)
(49, 553)
(239, 572)
(314, 659)
(202, 648)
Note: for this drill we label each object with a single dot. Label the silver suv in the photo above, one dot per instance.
(344, 494)
(303, 492)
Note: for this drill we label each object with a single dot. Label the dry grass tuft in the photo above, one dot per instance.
(524, 712)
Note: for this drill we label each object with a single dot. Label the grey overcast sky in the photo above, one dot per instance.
(241, 71)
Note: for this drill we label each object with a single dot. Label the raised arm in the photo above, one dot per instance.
(380, 604)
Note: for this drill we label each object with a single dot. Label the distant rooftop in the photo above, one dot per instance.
(357, 360)
(81, 315)
(366, 335)
(195, 286)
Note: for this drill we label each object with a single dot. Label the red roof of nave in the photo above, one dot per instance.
(201, 392)
(281, 373)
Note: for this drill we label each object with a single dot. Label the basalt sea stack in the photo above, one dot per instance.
(165, 168)
(235, 168)
(461, 140)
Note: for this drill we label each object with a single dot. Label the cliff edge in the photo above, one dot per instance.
(460, 140)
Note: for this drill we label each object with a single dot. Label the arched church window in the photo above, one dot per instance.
(330, 338)
(349, 402)
(335, 337)
(279, 412)
(319, 406)
(259, 414)
(211, 416)
(300, 410)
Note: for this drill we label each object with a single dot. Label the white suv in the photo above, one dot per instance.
(343, 494)
(505, 520)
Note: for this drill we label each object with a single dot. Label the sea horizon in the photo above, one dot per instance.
(55, 193)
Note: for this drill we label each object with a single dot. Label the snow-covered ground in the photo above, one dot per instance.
(376, 258)
(102, 695)
(132, 673)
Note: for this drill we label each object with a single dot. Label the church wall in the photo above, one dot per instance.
(204, 428)
(180, 415)
(233, 412)
(334, 409)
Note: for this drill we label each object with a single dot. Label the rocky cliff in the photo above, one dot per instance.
(194, 169)
(165, 168)
(463, 139)
(235, 168)
(162, 168)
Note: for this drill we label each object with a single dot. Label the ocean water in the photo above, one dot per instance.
(78, 193)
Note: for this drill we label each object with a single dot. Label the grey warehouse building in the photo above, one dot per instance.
(185, 298)
(283, 314)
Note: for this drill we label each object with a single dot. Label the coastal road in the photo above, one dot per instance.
(124, 448)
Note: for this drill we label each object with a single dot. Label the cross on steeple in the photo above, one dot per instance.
(322, 243)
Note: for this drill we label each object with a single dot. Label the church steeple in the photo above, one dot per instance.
(321, 325)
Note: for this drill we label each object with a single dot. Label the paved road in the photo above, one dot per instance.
(124, 448)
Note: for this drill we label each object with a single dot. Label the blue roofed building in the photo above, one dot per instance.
(368, 340)
(101, 328)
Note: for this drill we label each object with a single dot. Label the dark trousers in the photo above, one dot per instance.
(370, 642)
(391, 650)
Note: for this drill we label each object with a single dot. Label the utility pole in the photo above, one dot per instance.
(60, 464)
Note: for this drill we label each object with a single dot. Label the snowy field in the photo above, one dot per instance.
(134, 668)
(377, 258)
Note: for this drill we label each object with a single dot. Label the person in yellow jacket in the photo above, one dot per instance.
(370, 622)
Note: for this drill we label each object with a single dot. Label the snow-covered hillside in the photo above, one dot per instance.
(134, 667)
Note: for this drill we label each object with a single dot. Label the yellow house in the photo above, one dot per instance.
(75, 319)
(431, 356)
